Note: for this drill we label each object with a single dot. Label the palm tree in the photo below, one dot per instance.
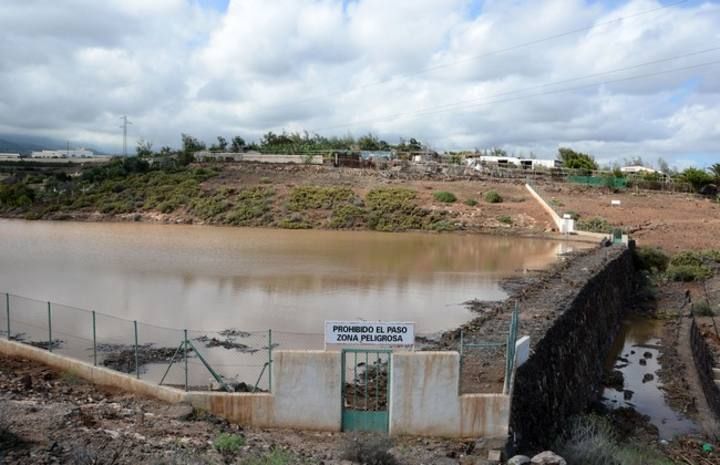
(715, 170)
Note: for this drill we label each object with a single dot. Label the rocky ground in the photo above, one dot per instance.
(50, 417)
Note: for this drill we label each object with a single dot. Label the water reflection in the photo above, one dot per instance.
(635, 353)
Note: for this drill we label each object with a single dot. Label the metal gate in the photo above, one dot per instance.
(365, 389)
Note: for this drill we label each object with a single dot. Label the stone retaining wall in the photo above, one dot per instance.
(562, 375)
(704, 364)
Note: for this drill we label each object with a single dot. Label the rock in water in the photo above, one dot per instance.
(548, 458)
(519, 460)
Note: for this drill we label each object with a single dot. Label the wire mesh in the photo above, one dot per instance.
(115, 343)
(483, 364)
(29, 322)
(72, 329)
(4, 330)
(232, 356)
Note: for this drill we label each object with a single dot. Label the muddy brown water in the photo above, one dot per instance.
(639, 340)
(208, 279)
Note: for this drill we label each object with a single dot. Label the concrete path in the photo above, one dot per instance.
(706, 419)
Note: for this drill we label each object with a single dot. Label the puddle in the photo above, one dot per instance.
(635, 354)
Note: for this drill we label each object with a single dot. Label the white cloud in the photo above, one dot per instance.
(70, 69)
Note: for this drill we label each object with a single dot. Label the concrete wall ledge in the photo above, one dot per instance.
(97, 375)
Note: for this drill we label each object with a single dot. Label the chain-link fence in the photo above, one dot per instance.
(487, 362)
(228, 359)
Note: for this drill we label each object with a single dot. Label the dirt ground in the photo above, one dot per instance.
(671, 221)
(50, 417)
(526, 215)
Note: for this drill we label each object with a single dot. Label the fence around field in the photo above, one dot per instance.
(230, 359)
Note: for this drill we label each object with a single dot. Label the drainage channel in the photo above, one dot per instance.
(635, 354)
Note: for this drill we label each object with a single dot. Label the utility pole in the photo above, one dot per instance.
(124, 128)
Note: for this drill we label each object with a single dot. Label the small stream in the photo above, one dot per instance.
(635, 353)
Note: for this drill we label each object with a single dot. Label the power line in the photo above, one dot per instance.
(429, 69)
(466, 103)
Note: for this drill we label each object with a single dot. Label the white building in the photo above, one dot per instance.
(72, 153)
(8, 156)
(634, 169)
(527, 163)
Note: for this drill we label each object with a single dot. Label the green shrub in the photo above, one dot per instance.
(390, 199)
(274, 457)
(651, 259)
(228, 444)
(556, 203)
(689, 258)
(505, 219)
(249, 206)
(441, 226)
(445, 197)
(703, 309)
(294, 221)
(688, 273)
(471, 202)
(595, 224)
(315, 197)
(592, 440)
(493, 197)
(346, 216)
(17, 195)
(167, 207)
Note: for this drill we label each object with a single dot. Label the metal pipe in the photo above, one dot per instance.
(50, 340)
(367, 367)
(185, 347)
(462, 352)
(7, 313)
(269, 360)
(137, 366)
(94, 340)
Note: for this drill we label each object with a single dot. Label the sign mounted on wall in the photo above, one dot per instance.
(392, 333)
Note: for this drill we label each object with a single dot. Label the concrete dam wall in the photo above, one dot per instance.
(562, 375)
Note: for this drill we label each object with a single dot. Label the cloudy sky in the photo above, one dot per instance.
(615, 78)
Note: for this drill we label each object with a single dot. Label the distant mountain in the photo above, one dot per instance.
(16, 143)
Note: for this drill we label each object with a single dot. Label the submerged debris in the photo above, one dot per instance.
(121, 357)
(227, 343)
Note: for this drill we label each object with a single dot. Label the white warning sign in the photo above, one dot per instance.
(370, 333)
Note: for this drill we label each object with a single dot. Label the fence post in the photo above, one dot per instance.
(7, 313)
(185, 344)
(270, 360)
(137, 367)
(462, 349)
(94, 341)
(50, 340)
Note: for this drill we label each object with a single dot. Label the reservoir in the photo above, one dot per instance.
(245, 281)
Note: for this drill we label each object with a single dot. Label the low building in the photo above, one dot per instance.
(9, 156)
(69, 153)
(638, 169)
(526, 163)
